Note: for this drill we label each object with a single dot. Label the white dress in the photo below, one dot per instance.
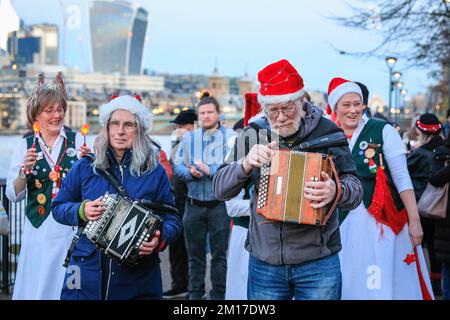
(40, 273)
(372, 256)
(237, 261)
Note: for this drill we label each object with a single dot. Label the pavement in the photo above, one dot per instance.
(165, 271)
(167, 279)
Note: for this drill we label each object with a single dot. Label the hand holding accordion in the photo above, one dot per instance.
(297, 186)
(123, 230)
(320, 191)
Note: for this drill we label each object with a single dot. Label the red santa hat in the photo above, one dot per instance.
(337, 89)
(279, 83)
(252, 107)
(129, 103)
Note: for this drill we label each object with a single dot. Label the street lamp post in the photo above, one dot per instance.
(390, 62)
(398, 86)
(403, 92)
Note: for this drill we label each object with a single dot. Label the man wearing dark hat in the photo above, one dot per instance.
(290, 260)
(184, 122)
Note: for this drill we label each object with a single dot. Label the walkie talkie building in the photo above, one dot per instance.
(117, 31)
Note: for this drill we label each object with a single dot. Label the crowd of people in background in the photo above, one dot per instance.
(370, 247)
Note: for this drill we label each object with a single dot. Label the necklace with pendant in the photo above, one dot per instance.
(55, 174)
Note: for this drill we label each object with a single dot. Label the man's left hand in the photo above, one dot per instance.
(147, 248)
(320, 193)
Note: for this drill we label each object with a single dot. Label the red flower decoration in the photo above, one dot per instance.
(138, 97)
(410, 258)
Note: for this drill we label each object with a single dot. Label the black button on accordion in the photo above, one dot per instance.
(122, 228)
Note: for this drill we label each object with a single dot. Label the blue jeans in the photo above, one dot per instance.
(198, 223)
(315, 280)
(445, 281)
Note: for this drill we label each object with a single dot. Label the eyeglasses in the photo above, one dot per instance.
(128, 126)
(51, 111)
(347, 106)
(274, 113)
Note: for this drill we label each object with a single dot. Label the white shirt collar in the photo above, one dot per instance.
(62, 134)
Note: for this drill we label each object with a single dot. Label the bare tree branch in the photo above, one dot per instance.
(416, 30)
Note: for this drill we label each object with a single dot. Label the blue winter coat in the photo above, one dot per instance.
(101, 277)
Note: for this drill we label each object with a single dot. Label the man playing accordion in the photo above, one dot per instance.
(290, 260)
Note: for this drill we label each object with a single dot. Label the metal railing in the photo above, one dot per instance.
(10, 245)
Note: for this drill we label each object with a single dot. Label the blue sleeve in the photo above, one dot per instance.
(66, 204)
(171, 221)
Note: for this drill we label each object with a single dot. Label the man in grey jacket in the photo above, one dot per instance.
(289, 260)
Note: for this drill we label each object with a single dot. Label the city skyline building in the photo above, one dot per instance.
(118, 32)
(37, 43)
(10, 21)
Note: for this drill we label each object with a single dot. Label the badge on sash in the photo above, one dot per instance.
(71, 152)
(370, 153)
(53, 175)
(372, 166)
(363, 145)
(40, 156)
(41, 210)
(41, 198)
(38, 184)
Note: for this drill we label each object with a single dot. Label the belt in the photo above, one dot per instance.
(198, 203)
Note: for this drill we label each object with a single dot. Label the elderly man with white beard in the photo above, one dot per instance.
(289, 260)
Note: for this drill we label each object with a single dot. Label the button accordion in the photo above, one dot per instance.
(281, 195)
(122, 228)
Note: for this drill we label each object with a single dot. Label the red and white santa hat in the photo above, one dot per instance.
(279, 83)
(129, 103)
(337, 89)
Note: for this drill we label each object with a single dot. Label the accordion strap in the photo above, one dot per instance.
(335, 139)
(338, 191)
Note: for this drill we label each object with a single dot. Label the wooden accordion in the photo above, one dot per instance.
(122, 228)
(281, 187)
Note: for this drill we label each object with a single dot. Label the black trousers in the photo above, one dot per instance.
(179, 264)
(428, 240)
(178, 259)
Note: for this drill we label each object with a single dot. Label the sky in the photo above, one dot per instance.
(192, 36)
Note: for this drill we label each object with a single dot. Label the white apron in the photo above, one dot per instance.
(372, 261)
(237, 266)
(40, 272)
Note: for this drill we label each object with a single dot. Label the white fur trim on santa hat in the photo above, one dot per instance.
(283, 98)
(128, 103)
(340, 91)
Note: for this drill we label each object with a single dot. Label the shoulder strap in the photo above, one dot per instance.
(109, 176)
(338, 192)
(335, 139)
